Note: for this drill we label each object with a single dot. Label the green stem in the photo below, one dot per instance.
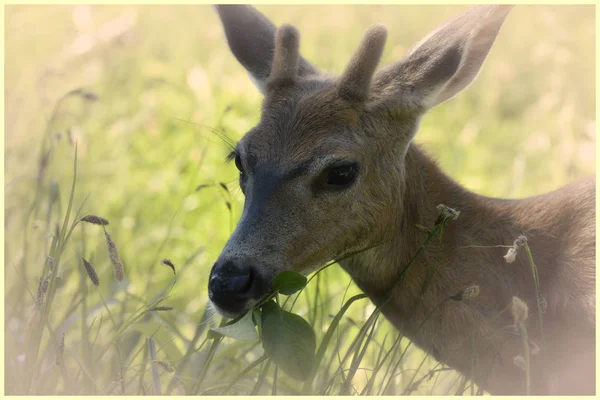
(537, 290)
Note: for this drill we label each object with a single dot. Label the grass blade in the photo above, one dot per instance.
(327, 338)
(154, 366)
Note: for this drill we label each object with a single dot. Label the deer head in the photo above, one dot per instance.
(323, 171)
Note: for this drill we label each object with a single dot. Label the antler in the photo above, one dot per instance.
(287, 55)
(355, 82)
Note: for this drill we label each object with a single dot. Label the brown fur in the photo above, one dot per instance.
(290, 222)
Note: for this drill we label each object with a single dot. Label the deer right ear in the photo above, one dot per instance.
(251, 38)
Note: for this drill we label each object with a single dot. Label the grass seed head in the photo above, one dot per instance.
(61, 350)
(447, 212)
(168, 262)
(519, 309)
(519, 361)
(61, 347)
(466, 294)
(161, 308)
(511, 255)
(90, 96)
(85, 94)
(43, 165)
(91, 272)
(113, 254)
(471, 292)
(520, 241)
(94, 219)
(41, 292)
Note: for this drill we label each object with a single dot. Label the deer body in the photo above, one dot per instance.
(331, 169)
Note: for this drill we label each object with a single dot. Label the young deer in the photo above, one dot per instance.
(331, 169)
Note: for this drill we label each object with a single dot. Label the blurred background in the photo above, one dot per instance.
(150, 95)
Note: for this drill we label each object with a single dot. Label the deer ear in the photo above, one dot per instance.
(251, 38)
(445, 62)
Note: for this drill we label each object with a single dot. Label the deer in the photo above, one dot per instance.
(331, 169)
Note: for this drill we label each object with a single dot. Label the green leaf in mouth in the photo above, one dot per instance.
(288, 340)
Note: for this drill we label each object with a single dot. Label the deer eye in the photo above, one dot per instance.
(341, 176)
(238, 164)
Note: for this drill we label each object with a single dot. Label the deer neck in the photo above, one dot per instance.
(414, 204)
(419, 304)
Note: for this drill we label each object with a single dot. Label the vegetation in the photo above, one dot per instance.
(123, 116)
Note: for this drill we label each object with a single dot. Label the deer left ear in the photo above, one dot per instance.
(444, 62)
(251, 38)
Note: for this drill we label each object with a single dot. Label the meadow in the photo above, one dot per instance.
(142, 104)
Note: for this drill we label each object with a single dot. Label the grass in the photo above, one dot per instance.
(113, 111)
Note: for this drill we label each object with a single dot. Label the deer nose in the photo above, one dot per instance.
(232, 285)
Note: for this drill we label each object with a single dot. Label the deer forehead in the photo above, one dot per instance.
(309, 106)
(306, 153)
(297, 125)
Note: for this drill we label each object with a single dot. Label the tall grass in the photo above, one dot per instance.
(123, 113)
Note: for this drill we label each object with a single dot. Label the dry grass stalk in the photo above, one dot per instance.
(114, 257)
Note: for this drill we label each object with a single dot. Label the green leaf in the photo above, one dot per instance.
(288, 340)
(289, 282)
(243, 329)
